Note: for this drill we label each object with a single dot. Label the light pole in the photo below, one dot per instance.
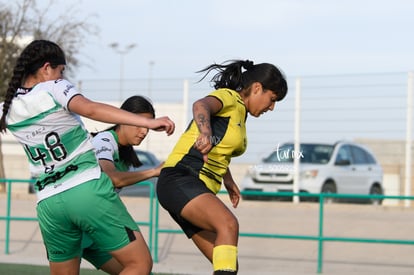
(122, 52)
(151, 67)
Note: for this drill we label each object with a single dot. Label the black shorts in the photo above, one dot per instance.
(175, 188)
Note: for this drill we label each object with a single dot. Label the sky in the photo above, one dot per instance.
(302, 37)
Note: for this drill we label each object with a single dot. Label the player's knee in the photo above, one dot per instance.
(145, 263)
(231, 226)
(149, 263)
(142, 267)
(147, 267)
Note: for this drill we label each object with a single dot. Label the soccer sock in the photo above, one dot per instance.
(225, 259)
(221, 272)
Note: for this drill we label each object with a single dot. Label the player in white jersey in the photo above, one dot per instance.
(116, 155)
(42, 110)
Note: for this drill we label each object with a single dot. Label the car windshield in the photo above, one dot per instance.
(144, 158)
(308, 153)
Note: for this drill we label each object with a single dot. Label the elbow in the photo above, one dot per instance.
(117, 182)
(199, 105)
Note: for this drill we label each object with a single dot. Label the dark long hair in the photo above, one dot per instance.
(33, 57)
(241, 74)
(137, 105)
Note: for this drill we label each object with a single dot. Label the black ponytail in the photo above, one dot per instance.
(241, 74)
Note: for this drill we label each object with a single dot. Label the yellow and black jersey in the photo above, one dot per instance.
(228, 139)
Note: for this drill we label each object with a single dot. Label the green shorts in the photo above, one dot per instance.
(92, 253)
(92, 208)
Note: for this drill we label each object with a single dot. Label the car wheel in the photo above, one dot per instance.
(246, 197)
(329, 188)
(31, 188)
(375, 190)
(254, 198)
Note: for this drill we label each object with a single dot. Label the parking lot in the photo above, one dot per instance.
(257, 255)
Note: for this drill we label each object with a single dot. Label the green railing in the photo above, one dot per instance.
(8, 217)
(155, 230)
(320, 238)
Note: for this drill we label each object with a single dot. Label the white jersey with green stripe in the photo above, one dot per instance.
(56, 143)
(106, 147)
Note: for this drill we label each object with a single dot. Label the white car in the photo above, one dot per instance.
(342, 168)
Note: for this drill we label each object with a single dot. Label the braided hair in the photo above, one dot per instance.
(240, 74)
(32, 58)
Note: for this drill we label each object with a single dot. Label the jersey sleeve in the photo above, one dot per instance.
(226, 97)
(104, 147)
(63, 91)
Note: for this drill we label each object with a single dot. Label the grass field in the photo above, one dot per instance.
(22, 269)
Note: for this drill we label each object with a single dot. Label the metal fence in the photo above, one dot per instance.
(8, 217)
(372, 109)
(155, 230)
(332, 107)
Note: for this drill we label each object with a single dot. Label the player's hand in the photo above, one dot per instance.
(234, 193)
(203, 144)
(157, 170)
(162, 124)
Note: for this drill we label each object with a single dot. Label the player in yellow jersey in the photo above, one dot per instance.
(199, 163)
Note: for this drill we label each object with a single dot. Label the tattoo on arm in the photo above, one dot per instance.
(203, 124)
(202, 115)
(201, 120)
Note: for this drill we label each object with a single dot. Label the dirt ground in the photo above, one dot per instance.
(278, 252)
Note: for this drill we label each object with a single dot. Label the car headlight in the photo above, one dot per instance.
(309, 174)
(251, 171)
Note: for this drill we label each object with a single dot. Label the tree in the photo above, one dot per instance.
(23, 20)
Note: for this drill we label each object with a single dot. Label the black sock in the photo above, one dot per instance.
(224, 272)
